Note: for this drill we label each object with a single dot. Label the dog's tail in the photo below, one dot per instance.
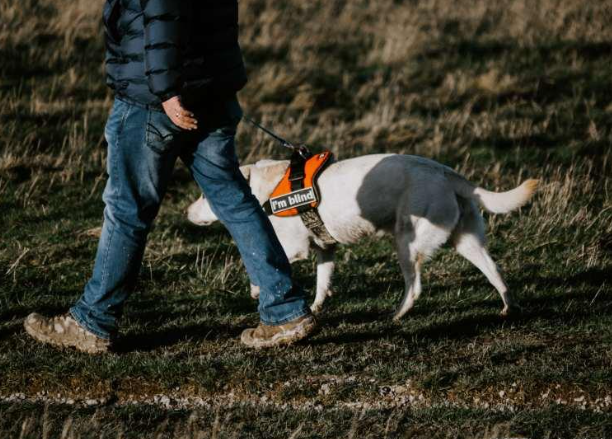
(495, 202)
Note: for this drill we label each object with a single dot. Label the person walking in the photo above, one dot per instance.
(175, 67)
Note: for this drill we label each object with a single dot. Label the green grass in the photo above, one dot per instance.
(499, 93)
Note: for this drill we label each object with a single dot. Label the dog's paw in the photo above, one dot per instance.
(395, 317)
(316, 308)
(510, 311)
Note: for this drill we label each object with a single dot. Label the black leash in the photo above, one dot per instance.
(302, 150)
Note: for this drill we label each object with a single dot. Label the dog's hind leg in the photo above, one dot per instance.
(418, 237)
(470, 242)
(410, 264)
(412, 251)
(325, 270)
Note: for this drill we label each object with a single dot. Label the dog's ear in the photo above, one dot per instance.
(273, 171)
(246, 171)
(265, 178)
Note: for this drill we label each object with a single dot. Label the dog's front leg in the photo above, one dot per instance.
(325, 270)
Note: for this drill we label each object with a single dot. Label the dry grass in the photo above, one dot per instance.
(101, 424)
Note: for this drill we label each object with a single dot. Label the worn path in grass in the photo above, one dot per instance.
(499, 93)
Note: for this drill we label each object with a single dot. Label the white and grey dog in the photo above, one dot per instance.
(423, 203)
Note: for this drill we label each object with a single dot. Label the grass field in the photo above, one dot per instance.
(499, 90)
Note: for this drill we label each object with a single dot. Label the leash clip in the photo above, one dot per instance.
(303, 151)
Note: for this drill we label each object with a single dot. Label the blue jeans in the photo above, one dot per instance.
(143, 146)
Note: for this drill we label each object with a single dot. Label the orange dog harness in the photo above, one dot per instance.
(298, 194)
(297, 191)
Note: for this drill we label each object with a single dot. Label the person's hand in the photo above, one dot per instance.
(179, 115)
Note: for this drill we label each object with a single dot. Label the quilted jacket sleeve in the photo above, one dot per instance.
(163, 36)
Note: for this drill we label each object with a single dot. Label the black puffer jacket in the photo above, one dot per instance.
(157, 49)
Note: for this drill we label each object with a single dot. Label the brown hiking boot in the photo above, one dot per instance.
(266, 336)
(64, 331)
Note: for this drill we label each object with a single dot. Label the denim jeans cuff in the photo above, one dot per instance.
(290, 317)
(83, 324)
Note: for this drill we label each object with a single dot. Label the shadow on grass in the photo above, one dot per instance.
(463, 328)
(204, 234)
(594, 277)
(11, 330)
(550, 307)
(149, 341)
(154, 310)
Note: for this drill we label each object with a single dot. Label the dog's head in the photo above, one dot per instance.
(262, 177)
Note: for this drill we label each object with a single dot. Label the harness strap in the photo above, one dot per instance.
(267, 208)
(309, 215)
(313, 222)
(296, 172)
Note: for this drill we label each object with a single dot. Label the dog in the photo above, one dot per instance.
(423, 203)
